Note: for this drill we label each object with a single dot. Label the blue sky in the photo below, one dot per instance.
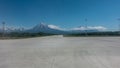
(63, 13)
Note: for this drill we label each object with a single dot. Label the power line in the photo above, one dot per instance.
(118, 24)
(86, 26)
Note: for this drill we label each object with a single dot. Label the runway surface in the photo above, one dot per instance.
(60, 52)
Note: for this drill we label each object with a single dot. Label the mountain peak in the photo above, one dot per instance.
(42, 24)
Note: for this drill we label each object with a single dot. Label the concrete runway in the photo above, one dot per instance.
(60, 52)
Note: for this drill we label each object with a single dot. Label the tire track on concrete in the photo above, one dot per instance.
(53, 58)
(52, 62)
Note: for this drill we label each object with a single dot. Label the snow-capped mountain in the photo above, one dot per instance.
(52, 29)
(98, 28)
(87, 29)
(11, 29)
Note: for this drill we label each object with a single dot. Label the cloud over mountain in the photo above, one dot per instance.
(54, 27)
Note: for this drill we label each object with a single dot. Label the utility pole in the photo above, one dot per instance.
(119, 24)
(86, 26)
(3, 28)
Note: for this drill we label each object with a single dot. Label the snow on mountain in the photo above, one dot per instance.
(52, 29)
(98, 28)
(12, 29)
(87, 29)
(42, 27)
